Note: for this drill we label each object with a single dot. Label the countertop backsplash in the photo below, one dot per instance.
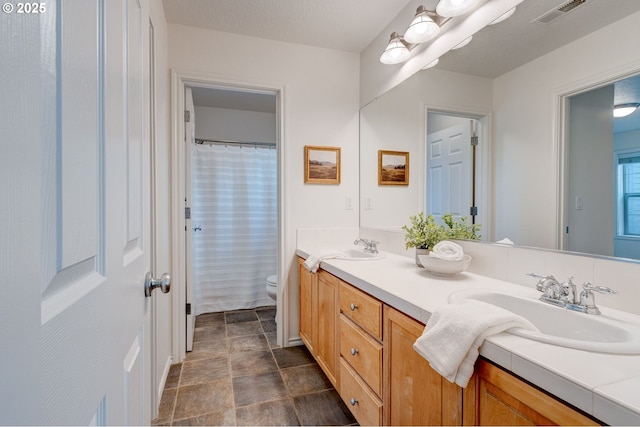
(507, 262)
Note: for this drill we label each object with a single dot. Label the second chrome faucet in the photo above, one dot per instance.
(565, 294)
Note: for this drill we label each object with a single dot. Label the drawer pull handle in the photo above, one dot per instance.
(353, 401)
(353, 307)
(354, 351)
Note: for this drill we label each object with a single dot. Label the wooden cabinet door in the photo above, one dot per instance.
(503, 399)
(326, 345)
(307, 290)
(414, 394)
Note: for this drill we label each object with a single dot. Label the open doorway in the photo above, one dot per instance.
(233, 121)
(231, 191)
(601, 179)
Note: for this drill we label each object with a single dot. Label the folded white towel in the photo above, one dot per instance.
(313, 261)
(447, 250)
(455, 332)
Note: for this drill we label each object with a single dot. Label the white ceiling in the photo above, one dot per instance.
(348, 25)
(351, 25)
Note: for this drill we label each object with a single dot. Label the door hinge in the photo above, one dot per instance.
(474, 140)
(473, 211)
(187, 213)
(188, 309)
(187, 116)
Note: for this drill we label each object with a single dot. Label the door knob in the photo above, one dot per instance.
(164, 283)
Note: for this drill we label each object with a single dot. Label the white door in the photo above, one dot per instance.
(449, 171)
(189, 139)
(79, 268)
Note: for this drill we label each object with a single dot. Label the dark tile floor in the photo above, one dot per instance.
(237, 375)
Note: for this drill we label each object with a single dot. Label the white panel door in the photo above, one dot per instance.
(90, 209)
(189, 140)
(449, 171)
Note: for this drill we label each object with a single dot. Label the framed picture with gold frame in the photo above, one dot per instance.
(393, 167)
(321, 165)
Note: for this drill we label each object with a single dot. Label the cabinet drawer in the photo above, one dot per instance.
(364, 405)
(363, 309)
(362, 352)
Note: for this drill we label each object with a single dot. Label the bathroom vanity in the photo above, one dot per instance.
(360, 320)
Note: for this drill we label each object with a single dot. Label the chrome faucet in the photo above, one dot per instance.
(370, 246)
(565, 294)
(551, 289)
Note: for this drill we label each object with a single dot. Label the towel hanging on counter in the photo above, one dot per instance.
(455, 332)
(313, 261)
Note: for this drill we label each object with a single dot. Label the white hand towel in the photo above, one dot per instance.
(313, 261)
(455, 332)
(447, 250)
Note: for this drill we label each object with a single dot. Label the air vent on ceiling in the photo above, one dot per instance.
(558, 12)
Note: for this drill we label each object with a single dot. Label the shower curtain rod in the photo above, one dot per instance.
(228, 142)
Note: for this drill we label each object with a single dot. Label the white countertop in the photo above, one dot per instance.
(603, 385)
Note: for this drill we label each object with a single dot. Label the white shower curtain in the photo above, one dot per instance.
(234, 216)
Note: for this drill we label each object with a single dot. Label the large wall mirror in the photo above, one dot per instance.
(519, 79)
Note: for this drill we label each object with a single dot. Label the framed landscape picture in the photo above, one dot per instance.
(321, 165)
(393, 167)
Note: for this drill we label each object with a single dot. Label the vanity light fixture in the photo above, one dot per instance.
(503, 17)
(397, 50)
(423, 27)
(451, 8)
(463, 43)
(426, 25)
(623, 110)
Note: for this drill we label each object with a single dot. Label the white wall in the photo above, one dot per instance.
(589, 206)
(235, 125)
(525, 150)
(320, 108)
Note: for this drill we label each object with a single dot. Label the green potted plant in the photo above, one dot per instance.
(424, 232)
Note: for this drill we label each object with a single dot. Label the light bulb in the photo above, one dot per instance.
(422, 28)
(623, 110)
(451, 8)
(396, 51)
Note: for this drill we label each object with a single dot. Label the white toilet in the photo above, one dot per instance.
(272, 287)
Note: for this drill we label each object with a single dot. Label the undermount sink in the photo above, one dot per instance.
(356, 254)
(605, 333)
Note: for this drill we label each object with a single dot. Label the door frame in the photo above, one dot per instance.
(179, 80)
(560, 141)
(484, 192)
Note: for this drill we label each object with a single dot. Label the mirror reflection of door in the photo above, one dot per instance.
(602, 178)
(450, 185)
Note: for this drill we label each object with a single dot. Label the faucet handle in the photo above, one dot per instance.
(588, 300)
(536, 275)
(600, 289)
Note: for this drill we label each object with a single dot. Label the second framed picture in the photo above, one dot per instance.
(393, 167)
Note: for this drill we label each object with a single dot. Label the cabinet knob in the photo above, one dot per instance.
(354, 351)
(353, 401)
(353, 307)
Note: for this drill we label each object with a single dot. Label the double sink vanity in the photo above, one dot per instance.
(361, 313)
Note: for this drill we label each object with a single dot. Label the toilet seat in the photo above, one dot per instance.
(272, 280)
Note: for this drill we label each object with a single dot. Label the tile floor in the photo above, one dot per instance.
(237, 375)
